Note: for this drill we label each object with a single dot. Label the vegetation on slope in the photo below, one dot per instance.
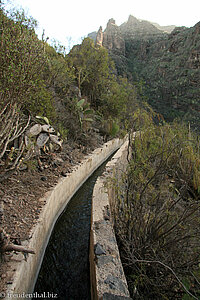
(157, 212)
(78, 92)
(169, 66)
(45, 90)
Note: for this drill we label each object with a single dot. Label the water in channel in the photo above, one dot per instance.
(65, 267)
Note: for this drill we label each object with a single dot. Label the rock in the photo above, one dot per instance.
(134, 28)
(98, 249)
(93, 35)
(56, 140)
(112, 38)
(104, 260)
(106, 213)
(115, 283)
(42, 139)
(43, 178)
(34, 130)
(16, 143)
(48, 128)
(23, 167)
(74, 90)
(99, 37)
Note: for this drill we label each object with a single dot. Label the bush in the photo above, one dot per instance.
(157, 214)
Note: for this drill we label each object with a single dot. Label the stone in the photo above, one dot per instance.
(34, 130)
(42, 139)
(112, 38)
(104, 260)
(26, 140)
(93, 35)
(134, 28)
(48, 128)
(115, 283)
(98, 249)
(56, 139)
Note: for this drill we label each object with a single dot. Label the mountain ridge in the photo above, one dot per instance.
(138, 24)
(167, 63)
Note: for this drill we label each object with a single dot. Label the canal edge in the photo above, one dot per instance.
(26, 271)
(107, 276)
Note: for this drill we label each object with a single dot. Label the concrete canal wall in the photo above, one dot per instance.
(26, 272)
(106, 272)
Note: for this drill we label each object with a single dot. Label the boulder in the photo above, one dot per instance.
(34, 130)
(48, 128)
(42, 139)
(56, 139)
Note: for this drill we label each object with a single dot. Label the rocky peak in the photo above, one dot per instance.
(132, 20)
(134, 28)
(113, 39)
(111, 22)
(99, 37)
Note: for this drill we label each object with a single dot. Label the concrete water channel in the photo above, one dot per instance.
(64, 270)
(65, 267)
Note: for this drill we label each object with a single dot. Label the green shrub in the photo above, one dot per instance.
(157, 213)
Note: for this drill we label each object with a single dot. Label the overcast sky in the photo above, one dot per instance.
(63, 19)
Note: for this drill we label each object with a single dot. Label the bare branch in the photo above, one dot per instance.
(170, 269)
(12, 247)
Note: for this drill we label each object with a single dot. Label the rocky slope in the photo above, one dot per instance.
(114, 37)
(167, 63)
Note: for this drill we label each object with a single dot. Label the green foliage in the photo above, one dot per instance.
(62, 131)
(156, 214)
(22, 60)
(84, 113)
(43, 80)
(114, 129)
(58, 72)
(93, 70)
(170, 68)
(114, 98)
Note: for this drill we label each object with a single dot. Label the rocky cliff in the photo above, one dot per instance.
(135, 29)
(111, 38)
(168, 63)
(114, 37)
